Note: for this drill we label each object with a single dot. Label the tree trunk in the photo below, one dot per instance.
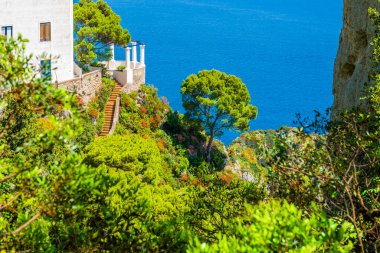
(208, 148)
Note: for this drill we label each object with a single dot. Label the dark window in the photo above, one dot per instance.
(45, 31)
(46, 69)
(7, 31)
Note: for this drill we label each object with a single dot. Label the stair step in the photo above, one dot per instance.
(109, 110)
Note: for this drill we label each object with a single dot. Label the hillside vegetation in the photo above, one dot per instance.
(162, 183)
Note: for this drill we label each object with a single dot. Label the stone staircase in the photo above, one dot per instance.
(110, 110)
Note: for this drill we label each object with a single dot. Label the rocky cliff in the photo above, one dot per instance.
(354, 61)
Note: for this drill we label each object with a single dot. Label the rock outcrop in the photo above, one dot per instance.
(354, 60)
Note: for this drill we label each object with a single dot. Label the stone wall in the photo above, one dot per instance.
(354, 59)
(121, 76)
(86, 86)
(138, 77)
(138, 80)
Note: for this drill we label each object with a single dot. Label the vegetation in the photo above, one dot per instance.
(121, 68)
(92, 116)
(155, 187)
(278, 226)
(217, 101)
(40, 174)
(96, 27)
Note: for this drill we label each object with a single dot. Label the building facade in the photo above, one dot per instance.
(48, 25)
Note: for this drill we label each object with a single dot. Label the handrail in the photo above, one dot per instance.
(115, 115)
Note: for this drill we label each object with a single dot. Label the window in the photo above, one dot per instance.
(7, 31)
(45, 31)
(46, 69)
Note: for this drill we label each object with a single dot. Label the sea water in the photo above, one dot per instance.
(283, 50)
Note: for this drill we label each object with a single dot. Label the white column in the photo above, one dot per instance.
(128, 57)
(111, 63)
(142, 54)
(134, 52)
(112, 47)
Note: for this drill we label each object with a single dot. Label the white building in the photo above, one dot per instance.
(48, 25)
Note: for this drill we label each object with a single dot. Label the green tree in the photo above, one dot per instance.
(40, 173)
(218, 101)
(216, 200)
(97, 27)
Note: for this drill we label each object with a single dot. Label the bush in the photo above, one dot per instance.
(104, 94)
(278, 226)
(42, 181)
(121, 68)
(92, 118)
(138, 209)
(216, 200)
(143, 111)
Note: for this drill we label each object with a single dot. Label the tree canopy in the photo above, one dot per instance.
(141, 190)
(97, 27)
(218, 101)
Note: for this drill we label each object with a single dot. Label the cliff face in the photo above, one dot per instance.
(354, 59)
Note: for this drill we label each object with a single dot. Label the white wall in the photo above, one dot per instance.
(26, 15)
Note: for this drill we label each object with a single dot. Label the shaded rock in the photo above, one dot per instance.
(353, 63)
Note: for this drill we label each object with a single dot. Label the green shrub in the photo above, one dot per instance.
(278, 226)
(104, 94)
(143, 111)
(216, 200)
(121, 68)
(138, 210)
(42, 181)
(92, 118)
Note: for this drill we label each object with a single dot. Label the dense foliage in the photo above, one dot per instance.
(40, 174)
(278, 226)
(217, 101)
(339, 170)
(96, 27)
(150, 188)
(92, 115)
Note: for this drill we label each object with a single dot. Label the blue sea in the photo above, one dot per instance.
(283, 50)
